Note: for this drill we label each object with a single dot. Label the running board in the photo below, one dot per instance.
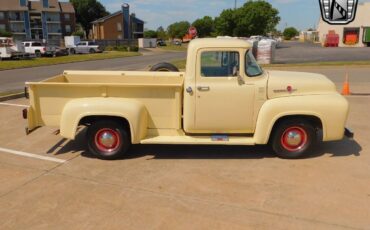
(199, 140)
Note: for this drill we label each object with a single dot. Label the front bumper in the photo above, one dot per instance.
(348, 133)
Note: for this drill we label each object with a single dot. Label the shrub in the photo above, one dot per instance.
(109, 48)
(4, 33)
(121, 48)
(134, 49)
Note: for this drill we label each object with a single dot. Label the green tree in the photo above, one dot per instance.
(205, 26)
(178, 29)
(290, 33)
(226, 23)
(161, 33)
(253, 18)
(150, 34)
(88, 11)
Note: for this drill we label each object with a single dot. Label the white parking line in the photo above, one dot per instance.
(31, 155)
(9, 104)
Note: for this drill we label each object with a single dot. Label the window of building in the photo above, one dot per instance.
(2, 27)
(2, 15)
(67, 17)
(68, 28)
(219, 63)
(119, 26)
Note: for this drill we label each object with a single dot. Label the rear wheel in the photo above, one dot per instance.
(108, 139)
(293, 138)
(92, 51)
(38, 53)
(72, 51)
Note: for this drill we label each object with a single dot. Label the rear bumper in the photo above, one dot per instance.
(348, 133)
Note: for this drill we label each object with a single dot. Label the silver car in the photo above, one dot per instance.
(85, 47)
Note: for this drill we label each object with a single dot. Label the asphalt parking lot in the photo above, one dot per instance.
(299, 52)
(51, 183)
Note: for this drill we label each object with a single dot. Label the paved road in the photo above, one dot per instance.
(359, 76)
(14, 79)
(298, 52)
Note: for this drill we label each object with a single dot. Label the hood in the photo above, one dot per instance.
(283, 84)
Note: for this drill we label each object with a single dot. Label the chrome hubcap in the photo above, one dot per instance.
(107, 139)
(293, 138)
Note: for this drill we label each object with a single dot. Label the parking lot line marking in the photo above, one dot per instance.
(31, 155)
(9, 104)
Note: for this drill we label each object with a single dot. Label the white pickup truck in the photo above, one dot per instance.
(223, 98)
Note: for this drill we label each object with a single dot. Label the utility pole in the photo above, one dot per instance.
(235, 5)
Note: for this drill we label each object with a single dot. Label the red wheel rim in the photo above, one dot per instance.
(107, 140)
(294, 138)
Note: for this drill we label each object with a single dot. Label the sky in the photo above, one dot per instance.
(302, 14)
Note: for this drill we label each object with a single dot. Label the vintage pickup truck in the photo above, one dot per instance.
(223, 98)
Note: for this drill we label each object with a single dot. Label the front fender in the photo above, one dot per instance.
(130, 109)
(331, 109)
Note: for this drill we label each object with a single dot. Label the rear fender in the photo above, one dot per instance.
(130, 109)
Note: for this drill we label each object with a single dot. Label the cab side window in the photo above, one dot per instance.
(219, 63)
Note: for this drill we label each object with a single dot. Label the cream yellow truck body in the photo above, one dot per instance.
(191, 107)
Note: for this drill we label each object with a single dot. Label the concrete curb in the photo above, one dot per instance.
(11, 96)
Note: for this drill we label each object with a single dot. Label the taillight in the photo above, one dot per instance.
(44, 49)
(25, 113)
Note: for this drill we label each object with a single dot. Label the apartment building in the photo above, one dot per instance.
(37, 19)
(117, 26)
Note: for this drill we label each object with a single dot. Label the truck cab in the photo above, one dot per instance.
(223, 98)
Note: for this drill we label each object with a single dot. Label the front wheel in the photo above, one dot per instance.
(293, 139)
(92, 51)
(107, 139)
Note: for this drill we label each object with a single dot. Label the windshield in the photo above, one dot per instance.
(252, 68)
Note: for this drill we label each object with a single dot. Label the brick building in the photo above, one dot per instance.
(117, 26)
(42, 19)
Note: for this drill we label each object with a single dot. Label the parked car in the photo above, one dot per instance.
(85, 47)
(160, 42)
(177, 42)
(55, 51)
(34, 47)
(223, 98)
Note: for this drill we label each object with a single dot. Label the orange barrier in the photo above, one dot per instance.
(346, 91)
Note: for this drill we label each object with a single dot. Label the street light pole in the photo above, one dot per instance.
(235, 5)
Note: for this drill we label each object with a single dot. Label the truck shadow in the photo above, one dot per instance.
(342, 148)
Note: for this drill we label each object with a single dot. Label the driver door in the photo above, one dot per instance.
(224, 101)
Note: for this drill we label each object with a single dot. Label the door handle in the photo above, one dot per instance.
(203, 88)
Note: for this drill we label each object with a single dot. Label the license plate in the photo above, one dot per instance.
(220, 138)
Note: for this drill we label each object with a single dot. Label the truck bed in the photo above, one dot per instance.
(160, 92)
